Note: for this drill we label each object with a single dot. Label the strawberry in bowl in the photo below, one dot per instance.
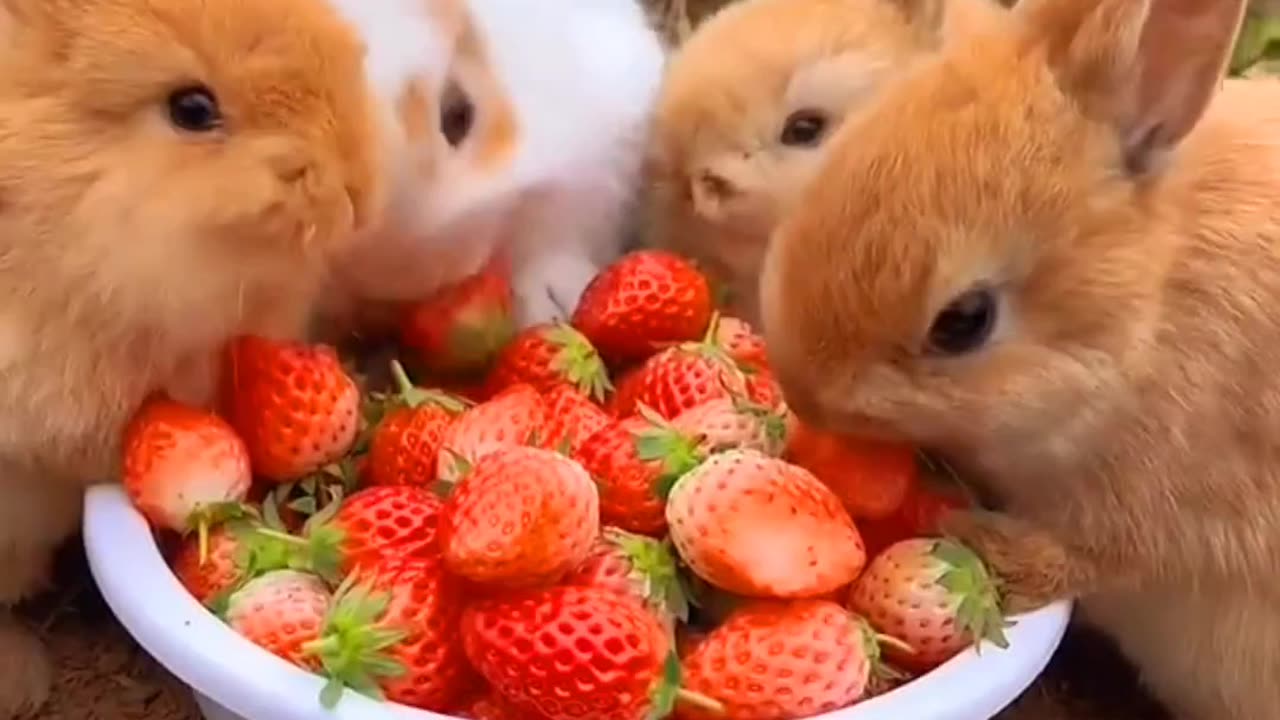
(630, 533)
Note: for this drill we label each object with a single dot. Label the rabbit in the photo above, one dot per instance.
(517, 125)
(172, 173)
(748, 104)
(1052, 253)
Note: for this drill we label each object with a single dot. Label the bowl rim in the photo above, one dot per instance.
(194, 645)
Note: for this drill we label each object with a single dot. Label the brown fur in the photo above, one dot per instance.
(129, 251)
(1127, 411)
(722, 177)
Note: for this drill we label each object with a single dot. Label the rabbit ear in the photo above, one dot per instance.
(926, 15)
(1149, 66)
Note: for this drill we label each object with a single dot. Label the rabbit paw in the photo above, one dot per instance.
(549, 290)
(1034, 569)
(25, 672)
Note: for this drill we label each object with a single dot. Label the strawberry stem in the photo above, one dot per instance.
(280, 535)
(403, 385)
(895, 643)
(700, 701)
(202, 533)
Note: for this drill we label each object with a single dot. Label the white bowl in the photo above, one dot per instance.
(234, 679)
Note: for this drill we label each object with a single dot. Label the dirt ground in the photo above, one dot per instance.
(103, 675)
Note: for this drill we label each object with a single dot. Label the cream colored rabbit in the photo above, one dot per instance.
(748, 104)
(515, 123)
(172, 172)
(1053, 253)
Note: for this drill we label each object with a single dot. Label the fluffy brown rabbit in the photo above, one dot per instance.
(1053, 253)
(748, 103)
(172, 172)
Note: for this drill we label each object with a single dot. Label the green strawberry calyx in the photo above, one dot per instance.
(353, 646)
(871, 642)
(975, 592)
(653, 571)
(773, 421)
(578, 362)
(316, 552)
(207, 515)
(667, 693)
(676, 452)
(412, 396)
(261, 548)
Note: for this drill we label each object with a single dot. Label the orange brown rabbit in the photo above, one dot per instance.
(747, 106)
(172, 172)
(1052, 252)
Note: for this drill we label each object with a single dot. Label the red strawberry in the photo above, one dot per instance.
(761, 527)
(491, 706)
(633, 462)
(779, 660)
(571, 419)
(623, 401)
(281, 611)
(396, 520)
(927, 503)
(684, 377)
(871, 477)
(571, 653)
(522, 516)
(645, 300)
(406, 441)
(515, 416)
(462, 327)
(918, 516)
(638, 566)
(393, 633)
(547, 356)
(688, 639)
(741, 342)
(183, 468)
(293, 404)
(934, 595)
(728, 423)
(762, 387)
(220, 571)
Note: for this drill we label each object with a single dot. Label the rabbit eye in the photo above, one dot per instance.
(194, 109)
(964, 325)
(803, 128)
(457, 115)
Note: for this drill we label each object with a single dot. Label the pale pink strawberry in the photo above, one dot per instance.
(935, 595)
(761, 527)
(727, 423)
(515, 416)
(281, 611)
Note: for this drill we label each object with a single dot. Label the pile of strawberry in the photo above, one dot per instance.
(610, 519)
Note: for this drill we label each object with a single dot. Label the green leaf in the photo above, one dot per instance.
(1259, 41)
(663, 697)
(973, 590)
(578, 362)
(331, 693)
(305, 505)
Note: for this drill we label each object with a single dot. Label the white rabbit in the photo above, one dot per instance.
(516, 124)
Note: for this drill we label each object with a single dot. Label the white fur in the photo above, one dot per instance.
(582, 76)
